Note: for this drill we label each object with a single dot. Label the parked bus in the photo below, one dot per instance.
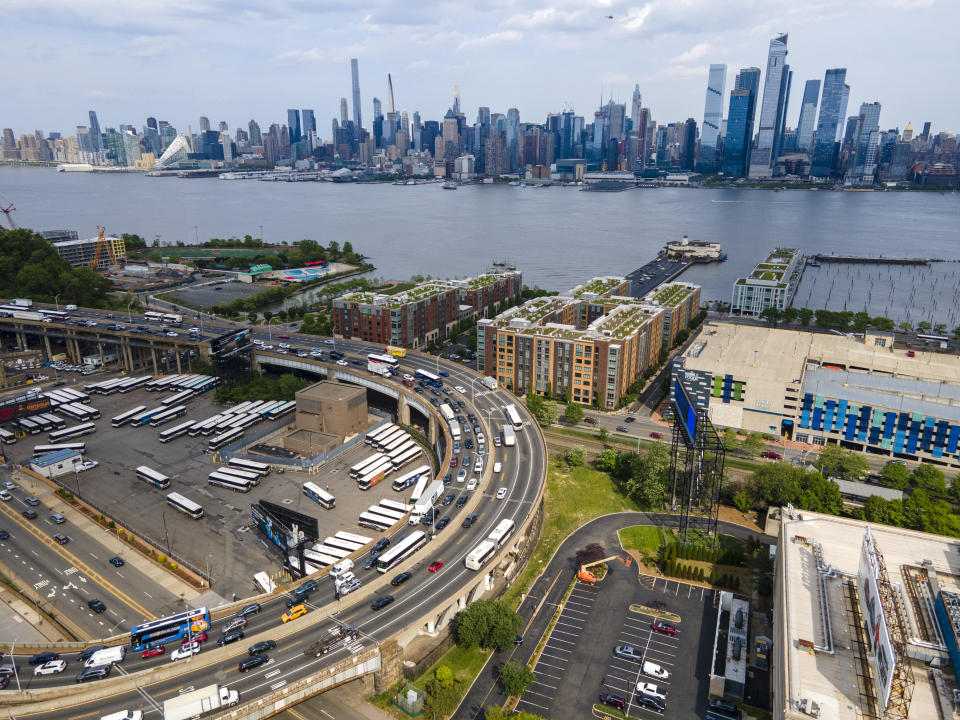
(480, 555)
(224, 438)
(29, 427)
(7, 437)
(201, 425)
(56, 422)
(410, 478)
(82, 412)
(134, 383)
(431, 379)
(418, 490)
(501, 533)
(348, 545)
(144, 416)
(394, 515)
(180, 397)
(229, 481)
(334, 552)
(76, 431)
(358, 469)
(513, 417)
(262, 469)
(74, 393)
(39, 450)
(397, 441)
(168, 415)
(387, 361)
(263, 583)
(362, 539)
(108, 386)
(169, 630)
(374, 475)
(285, 409)
(312, 557)
(408, 442)
(319, 495)
(242, 474)
(409, 456)
(394, 505)
(384, 440)
(41, 421)
(374, 522)
(371, 437)
(448, 414)
(401, 551)
(175, 432)
(148, 475)
(264, 410)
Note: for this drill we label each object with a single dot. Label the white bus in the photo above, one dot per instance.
(409, 456)
(480, 555)
(285, 409)
(362, 539)
(28, 426)
(395, 515)
(175, 432)
(238, 409)
(133, 383)
(421, 486)
(384, 441)
(401, 551)
(148, 475)
(509, 436)
(57, 422)
(320, 496)
(378, 432)
(179, 397)
(316, 558)
(375, 475)
(374, 522)
(168, 415)
(263, 583)
(229, 481)
(410, 479)
(333, 552)
(359, 469)
(387, 361)
(108, 386)
(224, 438)
(262, 469)
(7, 437)
(513, 417)
(75, 394)
(501, 533)
(342, 544)
(75, 431)
(397, 442)
(242, 474)
(394, 505)
(172, 318)
(448, 414)
(39, 450)
(151, 315)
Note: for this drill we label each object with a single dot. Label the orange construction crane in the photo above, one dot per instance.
(102, 243)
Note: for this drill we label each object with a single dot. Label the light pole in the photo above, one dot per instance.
(196, 233)
(473, 391)
(13, 662)
(129, 316)
(56, 299)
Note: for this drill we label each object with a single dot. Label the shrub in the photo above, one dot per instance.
(161, 559)
(174, 566)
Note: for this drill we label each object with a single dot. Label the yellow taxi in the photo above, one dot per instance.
(294, 612)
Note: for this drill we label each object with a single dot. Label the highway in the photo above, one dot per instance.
(522, 475)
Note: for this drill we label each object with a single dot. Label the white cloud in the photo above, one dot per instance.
(495, 38)
(636, 18)
(547, 19)
(418, 65)
(697, 52)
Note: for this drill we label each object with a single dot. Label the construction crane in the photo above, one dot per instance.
(8, 211)
(102, 243)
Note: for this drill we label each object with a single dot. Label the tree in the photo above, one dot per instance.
(790, 315)
(441, 699)
(573, 412)
(267, 316)
(606, 460)
(861, 321)
(772, 315)
(882, 323)
(924, 326)
(927, 478)
(487, 623)
(252, 316)
(753, 444)
(546, 412)
(834, 461)
(730, 440)
(905, 326)
(516, 678)
(573, 457)
(895, 476)
(604, 435)
(940, 329)
(805, 315)
(743, 500)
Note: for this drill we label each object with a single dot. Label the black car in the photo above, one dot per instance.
(447, 478)
(296, 599)
(4, 681)
(116, 561)
(4, 534)
(613, 701)
(61, 539)
(230, 637)
(252, 662)
(468, 443)
(381, 602)
(442, 523)
(461, 501)
(336, 355)
(88, 653)
(371, 560)
(261, 647)
(469, 520)
(429, 516)
(44, 657)
(97, 606)
(95, 673)
(448, 499)
(650, 702)
(629, 419)
(307, 587)
(381, 545)
(401, 578)
(435, 402)
(248, 610)
(622, 428)
(29, 514)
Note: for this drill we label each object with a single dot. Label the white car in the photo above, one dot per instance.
(87, 465)
(171, 334)
(50, 668)
(480, 438)
(5, 496)
(501, 493)
(328, 342)
(478, 465)
(316, 353)
(194, 329)
(283, 345)
(497, 467)
(342, 362)
(460, 389)
(266, 347)
(472, 484)
(461, 475)
(258, 342)
(645, 688)
(654, 670)
(186, 651)
(408, 377)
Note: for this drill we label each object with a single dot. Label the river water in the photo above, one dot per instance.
(559, 237)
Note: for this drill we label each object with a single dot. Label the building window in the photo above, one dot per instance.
(880, 342)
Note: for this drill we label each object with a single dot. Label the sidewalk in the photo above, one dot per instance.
(22, 624)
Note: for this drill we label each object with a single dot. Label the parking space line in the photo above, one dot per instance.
(578, 612)
(579, 604)
(523, 700)
(555, 667)
(549, 647)
(534, 692)
(564, 632)
(568, 642)
(554, 657)
(575, 627)
(546, 674)
(537, 682)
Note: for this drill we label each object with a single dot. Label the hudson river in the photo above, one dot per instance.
(559, 237)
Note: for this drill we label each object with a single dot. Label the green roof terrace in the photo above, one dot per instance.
(621, 322)
(671, 295)
(415, 294)
(599, 286)
(533, 311)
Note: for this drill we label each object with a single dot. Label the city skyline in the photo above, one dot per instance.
(673, 47)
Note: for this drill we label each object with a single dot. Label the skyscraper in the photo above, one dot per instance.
(343, 111)
(204, 124)
(355, 76)
(833, 107)
(293, 125)
(808, 113)
(772, 109)
(512, 138)
(863, 165)
(377, 122)
(255, 136)
(635, 107)
(712, 117)
(96, 140)
(740, 116)
(309, 122)
(688, 144)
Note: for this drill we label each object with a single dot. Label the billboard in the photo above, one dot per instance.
(229, 342)
(685, 411)
(880, 652)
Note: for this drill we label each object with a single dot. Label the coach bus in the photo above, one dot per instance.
(168, 415)
(409, 479)
(348, 545)
(76, 431)
(359, 469)
(39, 450)
(480, 555)
(408, 456)
(320, 496)
(371, 437)
(401, 551)
(394, 515)
(7, 437)
(501, 533)
(229, 481)
(28, 426)
(261, 469)
(184, 505)
(148, 475)
(242, 474)
(513, 417)
(285, 409)
(171, 629)
(387, 361)
(175, 432)
(375, 475)
(431, 379)
(224, 438)
(374, 522)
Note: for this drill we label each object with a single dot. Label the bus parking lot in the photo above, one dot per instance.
(578, 663)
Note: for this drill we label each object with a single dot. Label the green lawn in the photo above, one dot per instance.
(573, 497)
(398, 288)
(645, 538)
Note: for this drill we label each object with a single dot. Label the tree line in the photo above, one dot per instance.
(846, 320)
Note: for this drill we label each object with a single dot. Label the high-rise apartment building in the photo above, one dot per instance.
(772, 283)
(256, 138)
(740, 117)
(833, 108)
(309, 122)
(96, 139)
(862, 168)
(355, 78)
(512, 138)
(808, 114)
(496, 156)
(712, 118)
(773, 108)
(293, 126)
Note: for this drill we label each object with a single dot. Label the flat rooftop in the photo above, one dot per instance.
(773, 268)
(425, 290)
(599, 286)
(832, 680)
(670, 294)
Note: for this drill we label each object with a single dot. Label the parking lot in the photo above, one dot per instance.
(209, 293)
(221, 542)
(578, 663)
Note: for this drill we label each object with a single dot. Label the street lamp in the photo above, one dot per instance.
(269, 331)
(15, 673)
(129, 316)
(56, 299)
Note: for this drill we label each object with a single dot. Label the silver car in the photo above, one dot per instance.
(235, 624)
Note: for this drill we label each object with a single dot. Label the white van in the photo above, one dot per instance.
(345, 578)
(340, 568)
(74, 307)
(107, 656)
(497, 467)
(124, 715)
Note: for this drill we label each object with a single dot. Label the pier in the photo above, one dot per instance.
(858, 260)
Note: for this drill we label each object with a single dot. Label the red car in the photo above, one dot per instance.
(283, 337)
(657, 435)
(771, 454)
(662, 627)
(435, 566)
(153, 651)
(197, 637)
(453, 461)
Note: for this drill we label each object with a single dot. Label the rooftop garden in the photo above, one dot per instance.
(671, 295)
(623, 322)
(598, 286)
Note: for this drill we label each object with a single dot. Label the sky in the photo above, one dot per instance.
(234, 60)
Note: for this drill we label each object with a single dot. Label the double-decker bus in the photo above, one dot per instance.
(401, 551)
(431, 379)
(185, 505)
(175, 432)
(513, 417)
(168, 415)
(374, 522)
(7, 437)
(229, 481)
(149, 475)
(39, 450)
(359, 469)
(261, 469)
(480, 555)
(224, 438)
(171, 629)
(387, 361)
(410, 479)
(375, 475)
(76, 431)
(320, 496)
